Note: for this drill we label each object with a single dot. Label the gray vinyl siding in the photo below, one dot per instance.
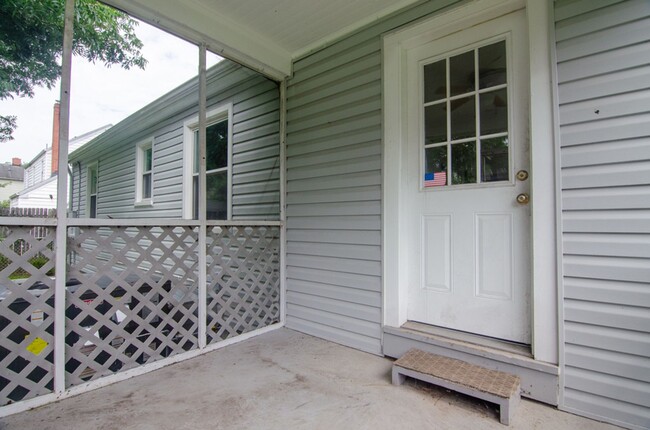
(255, 150)
(334, 160)
(603, 66)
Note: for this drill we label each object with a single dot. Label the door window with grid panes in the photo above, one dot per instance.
(466, 118)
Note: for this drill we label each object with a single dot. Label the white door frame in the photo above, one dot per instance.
(544, 324)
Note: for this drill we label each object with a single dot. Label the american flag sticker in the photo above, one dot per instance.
(435, 179)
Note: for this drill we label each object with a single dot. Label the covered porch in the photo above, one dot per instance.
(290, 321)
(278, 380)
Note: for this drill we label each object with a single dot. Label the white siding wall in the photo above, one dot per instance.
(10, 187)
(334, 158)
(39, 170)
(256, 149)
(42, 195)
(603, 54)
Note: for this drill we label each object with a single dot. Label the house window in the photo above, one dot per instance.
(465, 108)
(218, 156)
(144, 173)
(91, 186)
(216, 171)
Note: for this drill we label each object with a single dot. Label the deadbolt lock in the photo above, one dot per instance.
(522, 175)
(523, 199)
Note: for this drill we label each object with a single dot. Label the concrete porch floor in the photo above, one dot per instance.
(282, 380)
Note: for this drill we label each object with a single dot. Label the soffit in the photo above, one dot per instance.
(297, 25)
(265, 35)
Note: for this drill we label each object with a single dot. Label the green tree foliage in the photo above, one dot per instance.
(7, 127)
(31, 40)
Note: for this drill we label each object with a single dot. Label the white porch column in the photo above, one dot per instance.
(62, 204)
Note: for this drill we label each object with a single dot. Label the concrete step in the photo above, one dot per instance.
(457, 375)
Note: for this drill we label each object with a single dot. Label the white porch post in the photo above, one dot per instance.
(62, 204)
(283, 184)
(202, 202)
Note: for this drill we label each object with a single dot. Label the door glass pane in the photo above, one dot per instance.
(492, 65)
(461, 73)
(435, 81)
(436, 166)
(435, 123)
(494, 159)
(217, 195)
(494, 112)
(463, 163)
(463, 118)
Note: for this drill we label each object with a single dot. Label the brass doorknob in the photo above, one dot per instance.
(522, 175)
(523, 199)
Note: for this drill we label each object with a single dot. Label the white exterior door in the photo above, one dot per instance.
(465, 177)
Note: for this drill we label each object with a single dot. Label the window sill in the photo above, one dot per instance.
(143, 204)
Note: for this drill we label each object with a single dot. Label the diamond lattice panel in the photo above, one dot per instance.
(26, 312)
(132, 300)
(243, 280)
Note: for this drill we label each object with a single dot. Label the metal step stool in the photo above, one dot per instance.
(476, 381)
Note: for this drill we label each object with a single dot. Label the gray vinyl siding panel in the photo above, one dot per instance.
(603, 54)
(255, 150)
(334, 162)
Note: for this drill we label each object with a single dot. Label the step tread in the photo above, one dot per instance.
(478, 378)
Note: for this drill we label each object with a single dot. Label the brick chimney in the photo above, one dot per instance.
(55, 137)
(16, 161)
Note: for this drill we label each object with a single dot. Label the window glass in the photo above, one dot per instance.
(147, 159)
(436, 166)
(494, 112)
(92, 191)
(93, 180)
(492, 65)
(466, 122)
(146, 186)
(216, 147)
(494, 159)
(463, 118)
(435, 123)
(216, 172)
(435, 81)
(146, 153)
(461, 73)
(463, 163)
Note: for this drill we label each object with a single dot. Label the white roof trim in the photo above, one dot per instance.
(221, 36)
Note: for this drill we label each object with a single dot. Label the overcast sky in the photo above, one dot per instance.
(101, 95)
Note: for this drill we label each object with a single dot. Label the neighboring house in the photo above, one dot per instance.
(11, 178)
(146, 165)
(471, 178)
(40, 186)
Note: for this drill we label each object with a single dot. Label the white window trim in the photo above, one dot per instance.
(214, 115)
(94, 165)
(140, 148)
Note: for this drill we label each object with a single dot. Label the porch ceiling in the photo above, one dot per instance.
(264, 35)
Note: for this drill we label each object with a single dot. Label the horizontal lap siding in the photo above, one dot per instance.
(255, 154)
(334, 161)
(603, 54)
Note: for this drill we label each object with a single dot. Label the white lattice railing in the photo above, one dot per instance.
(26, 314)
(131, 297)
